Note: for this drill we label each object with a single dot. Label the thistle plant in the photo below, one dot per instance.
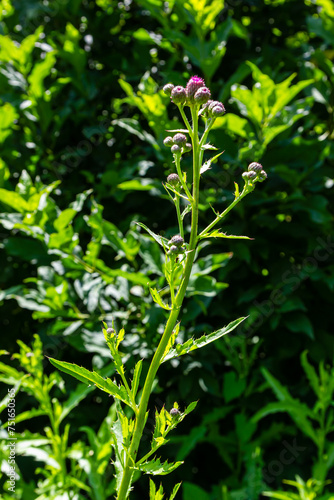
(196, 107)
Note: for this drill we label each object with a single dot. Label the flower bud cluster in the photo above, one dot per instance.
(255, 173)
(195, 92)
(212, 109)
(178, 144)
(176, 245)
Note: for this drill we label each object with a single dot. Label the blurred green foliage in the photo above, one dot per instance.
(82, 120)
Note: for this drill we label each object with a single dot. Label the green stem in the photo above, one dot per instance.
(180, 174)
(179, 219)
(244, 192)
(170, 325)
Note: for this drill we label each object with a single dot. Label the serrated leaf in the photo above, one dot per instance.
(156, 468)
(159, 239)
(218, 234)
(311, 374)
(89, 377)
(192, 344)
(158, 300)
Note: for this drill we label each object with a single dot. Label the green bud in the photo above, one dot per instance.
(168, 142)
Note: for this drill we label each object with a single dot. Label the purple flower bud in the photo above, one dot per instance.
(168, 141)
(175, 149)
(252, 175)
(245, 176)
(187, 147)
(202, 95)
(178, 95)
(179, 139)
(110, 331)
(176, 240)
(255, 167)
(173, 249)
(262, 176)
(194, 84)
(168, 88)
(173, 179)
(174, 412)
(218, 111)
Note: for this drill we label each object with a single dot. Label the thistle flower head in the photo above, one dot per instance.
(262, 176)
(168, 88)
(179, 139)
(255, 167)
(187, 147)
(174, 412)
(176, 240)
(175, 149)
(194, 84)
(218, 110)
(178, 95)
(173, 179)
(168, 142)
(202, 95)
(255, 173)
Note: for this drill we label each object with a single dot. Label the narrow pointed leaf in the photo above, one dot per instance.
(175, 490)
(136, 377)
(89, 377)
(158, 300)
(218, 234)
(192, 344)
(159, 239)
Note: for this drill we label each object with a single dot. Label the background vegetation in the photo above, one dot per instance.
(82, 120)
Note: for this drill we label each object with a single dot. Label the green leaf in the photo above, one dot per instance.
(13, 200)
(175, 490)
(136, 378)
(311, 374)
(192, 344)
(159, 239)
(156, 468)
(158, 300)
(233, 387)
(298, 411)
(207, 165)
(218, 234)
(86, 376)
(192, 491)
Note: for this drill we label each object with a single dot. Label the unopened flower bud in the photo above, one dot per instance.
(252, 175)
(176, 240)
(255, 167)
(173, 179)
(174, 412)
(173, 249)
(175, 149)
(110, 331)
(187, 147)
(245, 176)
(179, 139)
(168, 88)
(202, 95)
(194, 84)
(218, 111)
(178, 95)
(262, 176)
(168, 142)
